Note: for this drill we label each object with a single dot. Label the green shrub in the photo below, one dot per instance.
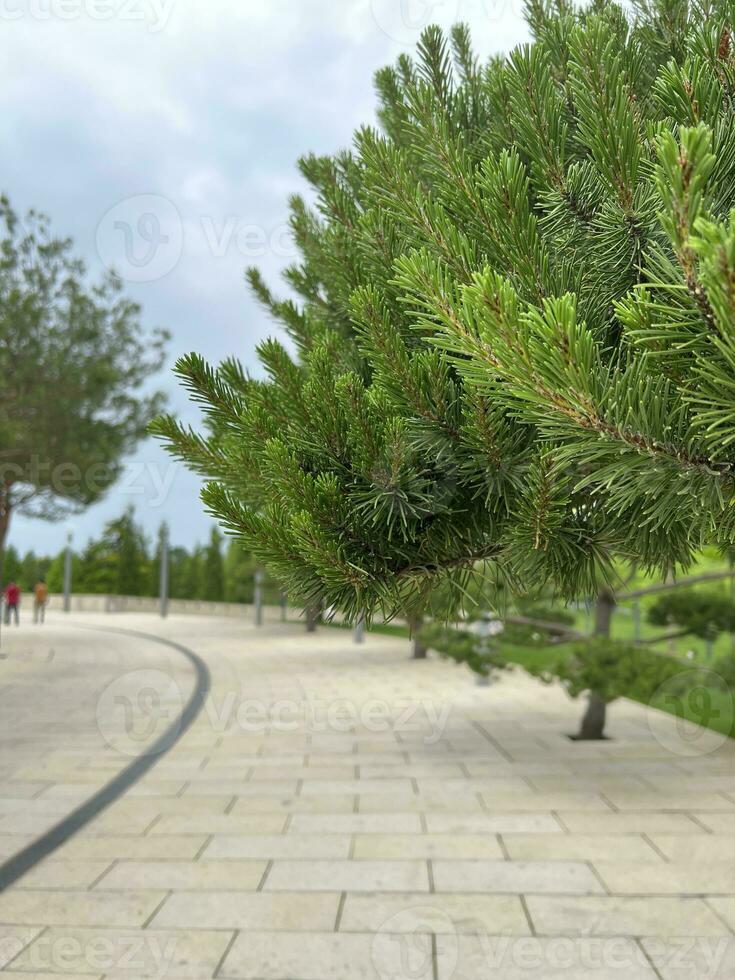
(612, 670)
(725, 668)
(463, 647)
(703, 614)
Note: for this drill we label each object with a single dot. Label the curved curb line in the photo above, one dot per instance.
(31, 855)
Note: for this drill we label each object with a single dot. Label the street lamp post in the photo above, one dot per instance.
(360, 629)
(163, 588)
(67, 574)
(258, 598)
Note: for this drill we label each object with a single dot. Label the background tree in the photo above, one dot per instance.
(213, 586)
(612, 670)
(94, 570)
(703, 613)
(127, 541)
(154, 567)
(73, 361)
(178, 572)
(195, 574)
(12, 565)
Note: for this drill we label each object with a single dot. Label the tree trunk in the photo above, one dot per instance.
(419, 650)
(593, 723)
(604, 610)
(4, 525)
(313, 618)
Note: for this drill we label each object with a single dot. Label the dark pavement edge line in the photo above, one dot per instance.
(21, 863)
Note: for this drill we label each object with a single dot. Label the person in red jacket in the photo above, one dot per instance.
(12, 601)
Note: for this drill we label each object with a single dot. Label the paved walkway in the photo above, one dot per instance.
(340, 812)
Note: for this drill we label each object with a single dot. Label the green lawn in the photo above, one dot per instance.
(712, 708)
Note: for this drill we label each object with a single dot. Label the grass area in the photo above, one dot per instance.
(711, 707)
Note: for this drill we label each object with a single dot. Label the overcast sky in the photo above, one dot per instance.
(162, 135)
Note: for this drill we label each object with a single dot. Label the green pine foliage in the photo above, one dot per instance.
(75, 360)
(614, 670)
(704, 613)
(513, 323)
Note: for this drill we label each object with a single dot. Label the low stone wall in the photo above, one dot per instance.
(148, 604)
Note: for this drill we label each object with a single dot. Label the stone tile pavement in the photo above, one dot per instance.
(339, 812)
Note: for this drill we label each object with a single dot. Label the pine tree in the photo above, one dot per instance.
(514, 334)
(239, 572)
(178, 573)
(154, 566)
(74, 360)
(129, 543)
(195, 574)
(214, 569)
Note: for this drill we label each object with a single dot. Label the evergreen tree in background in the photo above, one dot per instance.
(93, 571)
(178, 573)
(74, 357)
(239, 572)
(13, 565)
(126, 540)
(213, 587)
(154, 568)
(118, 563)
(195, 574)
(514, 330)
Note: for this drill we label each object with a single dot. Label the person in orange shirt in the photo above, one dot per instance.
(40, 598)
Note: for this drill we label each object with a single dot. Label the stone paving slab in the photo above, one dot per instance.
(344, 812)
(439, 913)
(554, 915)
(581, 847)
(300, 911)
(348, 876)
(324, 956)
(516, 877)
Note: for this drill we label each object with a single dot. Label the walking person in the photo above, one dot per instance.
(40, 598)
(12, 602)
